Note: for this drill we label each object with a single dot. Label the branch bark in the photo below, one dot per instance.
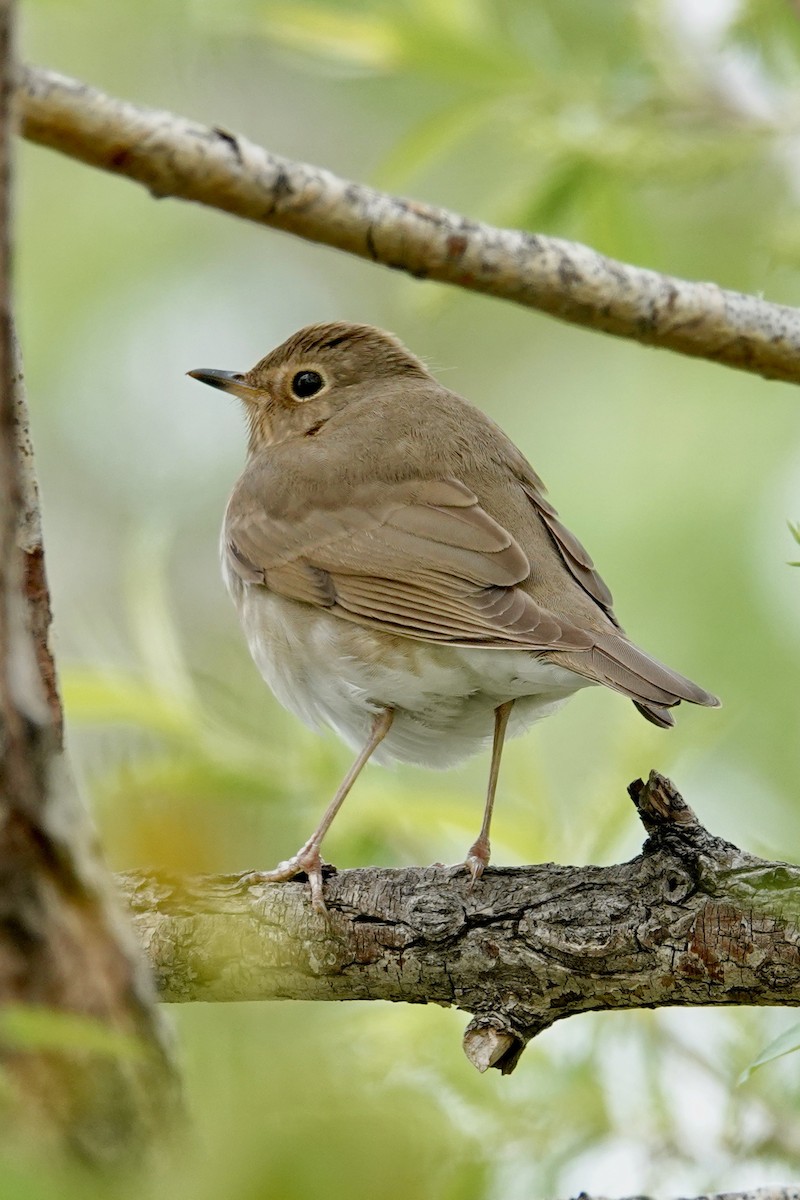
(763, 1193)
(63, 945)
(176, 157)
(30, 542)
(691, 921)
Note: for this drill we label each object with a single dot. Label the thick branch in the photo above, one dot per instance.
(692, 920)
(762, 1193)
(175, 157)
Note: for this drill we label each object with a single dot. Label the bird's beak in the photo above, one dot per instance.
(227, 381)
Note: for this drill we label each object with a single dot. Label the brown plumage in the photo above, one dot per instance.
(395, 563)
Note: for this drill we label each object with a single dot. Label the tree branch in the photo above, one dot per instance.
(175, 157)
(691, 921)
(763, 1193)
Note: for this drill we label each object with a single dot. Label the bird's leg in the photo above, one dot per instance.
(477, 859)
(307, 857)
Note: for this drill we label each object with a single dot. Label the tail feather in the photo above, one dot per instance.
(656, 715)
(653, 686)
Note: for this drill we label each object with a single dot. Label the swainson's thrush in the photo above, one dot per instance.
(399, 574)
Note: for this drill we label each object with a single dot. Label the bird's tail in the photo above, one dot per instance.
(652, 686)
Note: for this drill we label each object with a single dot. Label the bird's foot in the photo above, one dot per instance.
(307, 861)
(477, 860)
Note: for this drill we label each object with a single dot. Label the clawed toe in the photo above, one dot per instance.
(477, 860)
(307, 861)
(474, 867)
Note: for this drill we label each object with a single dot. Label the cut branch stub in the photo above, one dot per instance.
(487, 1046)
(691, 920)
(659, 803)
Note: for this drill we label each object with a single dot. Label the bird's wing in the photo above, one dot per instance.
(419, 558)
(422, 559)
(573, 554)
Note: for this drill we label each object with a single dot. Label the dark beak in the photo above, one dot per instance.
(226, 381)
(218, 379)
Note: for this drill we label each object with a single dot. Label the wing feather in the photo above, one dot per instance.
(574, 554)
(421, 558)
(424, 560)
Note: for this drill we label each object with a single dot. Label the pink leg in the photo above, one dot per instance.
(307, 857)
(477, 859)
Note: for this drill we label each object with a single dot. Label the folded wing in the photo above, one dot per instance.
(419, 558)
(422, 559)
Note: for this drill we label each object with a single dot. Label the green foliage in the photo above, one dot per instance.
(786, 1043)
(618, 108)
(45, 1029)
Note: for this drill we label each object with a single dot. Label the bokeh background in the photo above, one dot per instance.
(663, 132)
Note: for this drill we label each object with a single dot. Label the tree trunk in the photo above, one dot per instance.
(82, 1046)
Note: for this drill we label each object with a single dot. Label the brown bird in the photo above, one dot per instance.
(399, 574)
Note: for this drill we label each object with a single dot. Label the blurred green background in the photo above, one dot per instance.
(665, 133)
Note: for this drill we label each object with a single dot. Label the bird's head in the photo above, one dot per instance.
(298, 386)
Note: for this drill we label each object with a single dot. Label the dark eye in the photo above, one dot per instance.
(306, 384)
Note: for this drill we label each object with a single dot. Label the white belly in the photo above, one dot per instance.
(330, 672)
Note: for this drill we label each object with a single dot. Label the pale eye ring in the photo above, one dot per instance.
(306, 384)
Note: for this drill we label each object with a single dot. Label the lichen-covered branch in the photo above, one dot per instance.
(175, 157)
(691, 921)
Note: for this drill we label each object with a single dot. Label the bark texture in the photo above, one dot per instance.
(691, 921)
(31, 544)
(63, 945)
(172, 156)
(764, 1193)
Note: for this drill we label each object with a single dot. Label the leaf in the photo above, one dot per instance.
(428, 140)
(151, 613)
(442, 41)
(562, 188)
(102, 696)
(363, 39)
(795, 532)
(44, 1028)
(769, 34)
(786, 1043)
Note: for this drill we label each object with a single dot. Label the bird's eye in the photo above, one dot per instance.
(306, 384)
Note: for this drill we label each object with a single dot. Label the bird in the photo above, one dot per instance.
(400, 575)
